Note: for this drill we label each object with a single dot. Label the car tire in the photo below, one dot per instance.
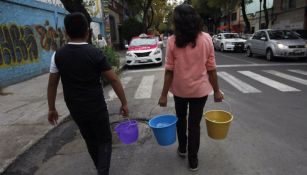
(269, 55)
(222, 48)
(249, 52)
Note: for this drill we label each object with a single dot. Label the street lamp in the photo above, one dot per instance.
(260, 15)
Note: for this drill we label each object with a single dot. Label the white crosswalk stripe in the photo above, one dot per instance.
(112, 94)
(286, 76)
(238, 84)
(145, 88)
(269, 82)
(298, 71)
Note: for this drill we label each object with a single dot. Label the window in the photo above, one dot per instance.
(234, 16)
(287, 4)
(257, 35)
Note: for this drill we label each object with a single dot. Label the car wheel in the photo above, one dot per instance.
(269, 55)
(222, 48)
(249, 52)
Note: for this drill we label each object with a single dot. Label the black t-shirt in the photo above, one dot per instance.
(80, 68)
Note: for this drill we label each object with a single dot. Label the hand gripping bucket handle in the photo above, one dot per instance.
(218, 122)
(127, 131)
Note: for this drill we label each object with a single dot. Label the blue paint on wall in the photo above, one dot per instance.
(44, 20)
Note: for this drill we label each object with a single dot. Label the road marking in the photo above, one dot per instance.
(170, 94)
(145, 88)
(298, 71)
(286, 76)
(222, 66)
(238, 84)
(269, 82)
(260, 65)
(234, 58)
(112, 94)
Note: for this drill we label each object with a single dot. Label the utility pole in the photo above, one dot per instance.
(260, 15)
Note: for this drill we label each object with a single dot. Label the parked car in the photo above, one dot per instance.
(143, 49)
(276, 43)
(229, 42)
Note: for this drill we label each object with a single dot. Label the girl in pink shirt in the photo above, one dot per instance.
(190, 74)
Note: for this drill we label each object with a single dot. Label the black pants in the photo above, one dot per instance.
(95, 129)
(196, 106)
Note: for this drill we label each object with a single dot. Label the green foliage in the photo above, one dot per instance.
(112, 56)
(131, 28)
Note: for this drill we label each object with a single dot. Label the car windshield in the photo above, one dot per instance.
(143, 41)
(282, 34)
(231, 35)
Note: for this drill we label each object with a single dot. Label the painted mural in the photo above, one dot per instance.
(50, 39)
(17, 45)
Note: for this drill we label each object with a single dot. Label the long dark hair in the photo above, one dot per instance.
(188, 24)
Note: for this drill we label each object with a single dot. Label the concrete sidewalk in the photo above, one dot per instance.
(23, 116)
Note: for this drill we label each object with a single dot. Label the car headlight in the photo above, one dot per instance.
(129, 54)
(157, 52)
(282, 46)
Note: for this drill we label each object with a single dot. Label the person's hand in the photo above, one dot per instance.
(53, 117)
(163, 101)
(124, 111)
(218, 96)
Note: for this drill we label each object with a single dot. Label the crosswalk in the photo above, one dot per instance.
(145, 87)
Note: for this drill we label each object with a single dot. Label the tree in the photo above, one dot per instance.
(266, 15)
(143, 8)
(77, 6)
(245, 18)
(160, 9)
(226, 7)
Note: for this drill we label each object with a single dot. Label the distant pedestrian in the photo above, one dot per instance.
(190, 74)
(101, 41)
(80, 66)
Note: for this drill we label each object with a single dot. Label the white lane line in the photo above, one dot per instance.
(170, 95)
(260, 65)
(298, 71)
(222, 66)
(237, 59)
(238, 84)
(269, 82)
(286, 76)
(145, 88)
(112, 94)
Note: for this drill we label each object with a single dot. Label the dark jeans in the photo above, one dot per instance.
(95, 129)
(196, 106)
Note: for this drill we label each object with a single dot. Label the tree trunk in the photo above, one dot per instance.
(76, 6)
(266, 14)
(245, 18)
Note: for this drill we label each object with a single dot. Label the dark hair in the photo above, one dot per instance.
(76, 25)
(188, 24)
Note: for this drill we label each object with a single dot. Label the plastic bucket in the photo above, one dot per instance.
(164, 128)
(127, 131)
(218, 123)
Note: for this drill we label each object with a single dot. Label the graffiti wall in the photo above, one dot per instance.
(30, 32)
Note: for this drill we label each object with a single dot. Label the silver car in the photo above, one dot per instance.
(276, 43)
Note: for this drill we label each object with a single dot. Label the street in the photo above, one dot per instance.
(267, 135)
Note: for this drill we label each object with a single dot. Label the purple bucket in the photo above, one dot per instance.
(127, 131)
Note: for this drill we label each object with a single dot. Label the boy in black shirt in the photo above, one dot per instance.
(80, 66)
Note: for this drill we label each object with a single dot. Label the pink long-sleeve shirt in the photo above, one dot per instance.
(190, 66)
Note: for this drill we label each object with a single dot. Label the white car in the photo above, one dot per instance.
(142, 50)
(229, 42)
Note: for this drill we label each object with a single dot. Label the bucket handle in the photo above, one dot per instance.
(222, 102)
(150, 113)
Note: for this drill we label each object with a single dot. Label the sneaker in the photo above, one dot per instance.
(193, 165)
(181, 154)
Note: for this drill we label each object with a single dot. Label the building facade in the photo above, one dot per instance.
(30, 32)
(290, 14)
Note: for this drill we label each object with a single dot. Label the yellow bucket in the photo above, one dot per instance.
(218, 123)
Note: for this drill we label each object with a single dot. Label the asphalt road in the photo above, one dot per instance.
(267, 136)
